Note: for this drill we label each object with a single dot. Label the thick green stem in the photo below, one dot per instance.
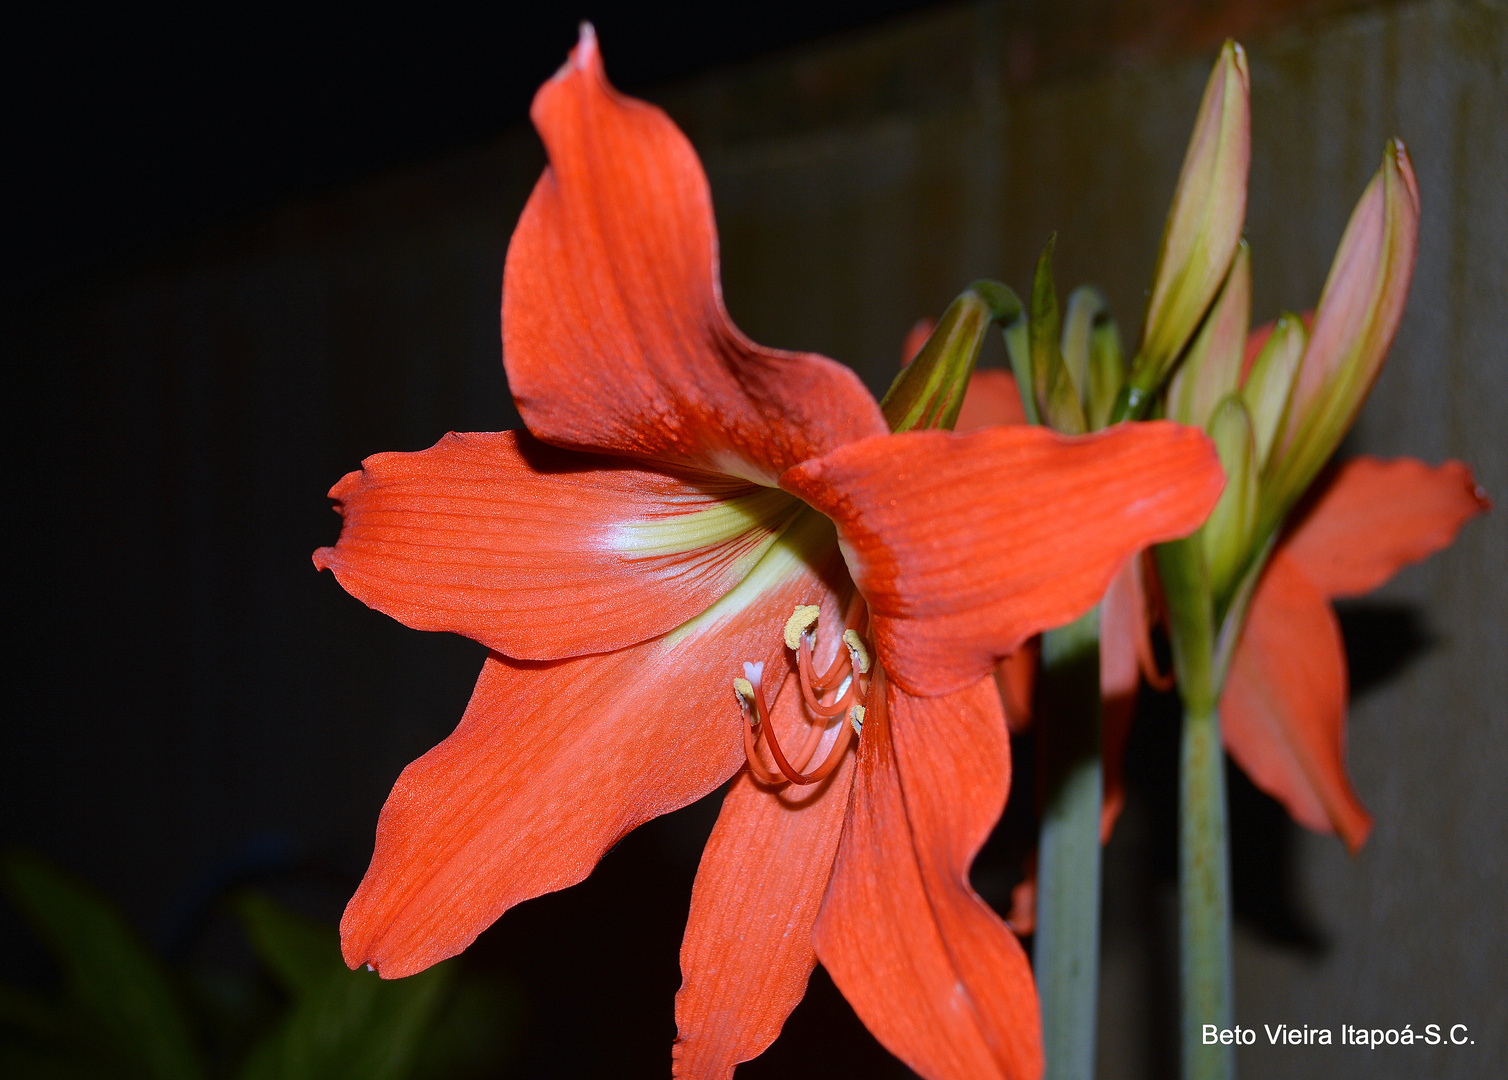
(1203, 855)
(1204, 900)
(1068, 859)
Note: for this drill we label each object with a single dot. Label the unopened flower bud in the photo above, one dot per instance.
(1204, 223)
(929, 390)
(1271, 378)
(1212, 367)
(1226, 535)
(1358, 314)
(1107, 372)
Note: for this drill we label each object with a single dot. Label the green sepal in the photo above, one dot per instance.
(1271, 379)
(1107, 372)
(1086, 306)
(1226, 535)
(1018, 348)
(1052, 384)
(929, 391)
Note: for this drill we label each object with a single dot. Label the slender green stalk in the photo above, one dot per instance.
(1204, 899)
(1068, 858)
(1203, 855)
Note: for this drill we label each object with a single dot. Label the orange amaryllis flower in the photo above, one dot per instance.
(1283, 710)
(634, 561)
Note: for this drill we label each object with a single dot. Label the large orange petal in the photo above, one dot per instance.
(966, 545)
(614, 332)
(930, 969)
(542, 553)
(748, 951)
(992, 398)
(554, 761)
(1374, 517)
(1283, 711)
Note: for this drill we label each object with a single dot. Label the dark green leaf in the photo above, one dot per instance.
(112, 978)
(300, 954)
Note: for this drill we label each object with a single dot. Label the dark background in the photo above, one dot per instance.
(247, 247)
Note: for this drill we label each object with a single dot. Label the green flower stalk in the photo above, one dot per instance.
(1274, 432)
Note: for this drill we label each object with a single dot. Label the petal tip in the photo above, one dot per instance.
(587, 55)
(1354, 834)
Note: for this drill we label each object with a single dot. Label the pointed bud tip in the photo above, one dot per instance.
(1232, 55)
(1396, 159)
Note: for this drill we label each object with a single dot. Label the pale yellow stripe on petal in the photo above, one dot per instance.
(805, 544)
(722, 521)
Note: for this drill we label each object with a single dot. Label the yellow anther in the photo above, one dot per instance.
(856, 650)
(856, 718)
(744, 689)
(798, 623)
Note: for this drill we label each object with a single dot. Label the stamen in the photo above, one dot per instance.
(847, 680)
(1161, 681)
(830, 678)
(822, 771)
(747, 695)
(856, 650)
(798, 624)
(812, 686)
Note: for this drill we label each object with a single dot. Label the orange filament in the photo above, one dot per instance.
(853, 700)
(821, 772)
(832, 677)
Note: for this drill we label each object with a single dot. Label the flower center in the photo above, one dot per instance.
(843, 688)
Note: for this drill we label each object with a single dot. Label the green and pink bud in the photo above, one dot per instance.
(928, 392)
(1358, 314)
(1270, 379)
(1204, 223)
(1226, 536)
(1212, 368)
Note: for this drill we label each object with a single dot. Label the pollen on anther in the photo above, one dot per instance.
(857, 650)
(798, 623)
(744, 689)
(856, 718)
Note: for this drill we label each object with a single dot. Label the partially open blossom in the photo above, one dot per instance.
(707, 560)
